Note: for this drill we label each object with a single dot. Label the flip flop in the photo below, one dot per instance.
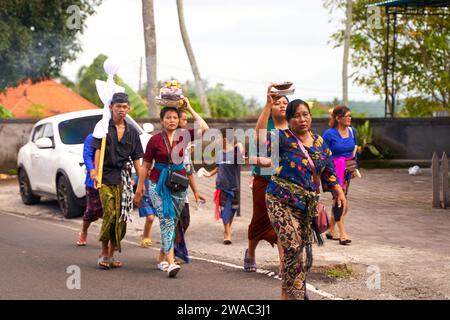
(173, 269)
(116, 263)
(249, 263)
(330, 237)
(227, 242)
(146, 242)
(103, 263)
(163, 265)
(81, 240)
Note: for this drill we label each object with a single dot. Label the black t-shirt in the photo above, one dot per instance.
(117, 153)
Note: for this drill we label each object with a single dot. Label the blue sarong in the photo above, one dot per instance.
(168, 205)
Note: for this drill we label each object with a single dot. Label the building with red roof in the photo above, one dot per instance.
(46, 98)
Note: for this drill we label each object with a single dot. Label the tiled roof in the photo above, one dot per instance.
(53, 96)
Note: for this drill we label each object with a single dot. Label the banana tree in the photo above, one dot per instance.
(364, 135)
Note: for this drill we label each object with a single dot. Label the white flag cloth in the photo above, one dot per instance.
(106, 90)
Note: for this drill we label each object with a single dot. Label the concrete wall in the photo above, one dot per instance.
(406, 138)
(14, 134)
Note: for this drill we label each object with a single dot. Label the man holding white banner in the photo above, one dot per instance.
(122, 145)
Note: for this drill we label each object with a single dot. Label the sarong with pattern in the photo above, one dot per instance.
(291, 227)
(112, 228)
(167, 224)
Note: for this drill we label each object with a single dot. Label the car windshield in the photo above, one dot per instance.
(74, 131)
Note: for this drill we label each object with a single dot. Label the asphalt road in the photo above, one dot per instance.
(36, 255)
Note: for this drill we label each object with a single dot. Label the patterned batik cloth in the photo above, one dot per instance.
(293, 166)
(180, 246)
(127, 193)
(167, 223)
(291, 227)
(94, 210)
(112, 228)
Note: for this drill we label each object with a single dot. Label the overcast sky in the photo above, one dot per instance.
(244, 44)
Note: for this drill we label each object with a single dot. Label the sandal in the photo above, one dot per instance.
(116, 263)
(249, 263)
(173, 269)
(331, 237)
(146, 242)
(163, 265)
(81, 239)
(103, 263)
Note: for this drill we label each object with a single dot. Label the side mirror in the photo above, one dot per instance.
(148, 127)
(44, 143)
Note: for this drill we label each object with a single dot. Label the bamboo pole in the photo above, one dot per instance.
(100, 164)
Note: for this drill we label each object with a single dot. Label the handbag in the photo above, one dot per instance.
(175, 181)
(351, 165)
(322, 223)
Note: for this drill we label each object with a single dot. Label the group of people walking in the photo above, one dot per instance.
(284, 202)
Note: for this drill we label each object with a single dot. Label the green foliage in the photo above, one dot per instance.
(364, 136)
(339, 272)
(137, 104)
(69, 84)
(316, 111)
(36, 111)
(419, 107)
(226, 103)
(422, 59)
(223, 103)
(5, 113)
(87, 77)
(35, 40)
(86, 87)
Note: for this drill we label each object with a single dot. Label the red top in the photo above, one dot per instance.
(157, 150)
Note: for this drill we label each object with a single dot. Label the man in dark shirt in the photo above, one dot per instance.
(122, 146)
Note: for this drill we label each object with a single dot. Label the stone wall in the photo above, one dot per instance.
(406, 138)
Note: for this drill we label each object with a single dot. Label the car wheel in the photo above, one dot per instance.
(25, 189)
(67, 199)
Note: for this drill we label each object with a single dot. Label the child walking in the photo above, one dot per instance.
(146, 211)
(227, 182)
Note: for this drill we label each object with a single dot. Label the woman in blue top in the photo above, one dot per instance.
(341, 139)
(291, 195)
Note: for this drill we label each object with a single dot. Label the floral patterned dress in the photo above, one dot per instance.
(287, 196)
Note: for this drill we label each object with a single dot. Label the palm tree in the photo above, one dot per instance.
(150, 55)
(187, 44)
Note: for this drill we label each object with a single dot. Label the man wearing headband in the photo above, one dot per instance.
(123, 146)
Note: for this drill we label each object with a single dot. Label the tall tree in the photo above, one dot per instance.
(148, 16)
(187, 44)
(422, 55)
(347, 6)
(345, 62)
(37, 37)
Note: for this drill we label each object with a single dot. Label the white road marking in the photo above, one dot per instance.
(268, 273)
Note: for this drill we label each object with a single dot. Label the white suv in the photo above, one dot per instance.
(51, 163)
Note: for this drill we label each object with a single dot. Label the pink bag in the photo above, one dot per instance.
(322, 218)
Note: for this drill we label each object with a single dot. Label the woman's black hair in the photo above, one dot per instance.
(292, 108)
(167, 109)
(282, 96)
